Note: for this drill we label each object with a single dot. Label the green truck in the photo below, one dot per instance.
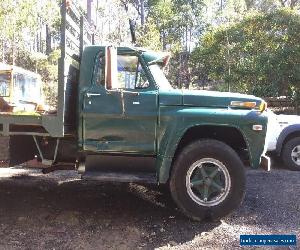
(119, 120)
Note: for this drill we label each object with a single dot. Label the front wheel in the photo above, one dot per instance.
(208, 180)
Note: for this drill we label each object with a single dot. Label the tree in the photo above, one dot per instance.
(258, 55)
(177, 24)
(290, 3)
(21, 21)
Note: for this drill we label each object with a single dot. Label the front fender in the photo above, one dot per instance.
(174, 121)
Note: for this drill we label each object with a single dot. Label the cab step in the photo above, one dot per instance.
(120, 177)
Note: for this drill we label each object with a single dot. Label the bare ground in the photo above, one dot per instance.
(60, 211)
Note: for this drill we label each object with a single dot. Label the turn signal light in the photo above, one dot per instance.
(239, 104)
(249, 105)
(257, 127)
(263, 106)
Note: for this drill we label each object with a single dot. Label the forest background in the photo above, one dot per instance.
(246, 46)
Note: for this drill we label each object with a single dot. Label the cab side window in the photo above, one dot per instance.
(100, 70)
(4, 83)
(130, 73)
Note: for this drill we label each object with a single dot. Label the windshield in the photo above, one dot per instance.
(159, 77)
(4, 84)
(26, 88)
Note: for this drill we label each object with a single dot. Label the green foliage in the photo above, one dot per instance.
(21, 21)
(177, 21)
(173, 25)
(47, 67)
(148, 36)
(253, 45)
(258, 55)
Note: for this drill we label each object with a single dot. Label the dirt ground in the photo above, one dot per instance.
(60, 211)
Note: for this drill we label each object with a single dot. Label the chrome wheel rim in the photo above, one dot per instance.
(296, 155)
(208, 182)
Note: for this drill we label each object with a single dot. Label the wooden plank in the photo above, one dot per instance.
(71, 52)
(75, 10)
(73, 24)
(71, 37)
(86, 41)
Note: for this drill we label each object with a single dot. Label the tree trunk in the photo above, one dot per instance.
(131, 24)
(3, 51)
(37, 42)
(163, 39)
(132, 31)
(186, 38)
(41, 43)
(142, 12)
(179, 73)
(13, 50)
(283, 88)
(190, 35)
(293, 3)
(283, 2)
(89, 11)
(48, 41)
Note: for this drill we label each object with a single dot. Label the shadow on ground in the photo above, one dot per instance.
(60, 211)
(39, 212)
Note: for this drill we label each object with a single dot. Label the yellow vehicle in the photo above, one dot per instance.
(20, 89)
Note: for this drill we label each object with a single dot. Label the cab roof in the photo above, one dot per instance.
(148, 55)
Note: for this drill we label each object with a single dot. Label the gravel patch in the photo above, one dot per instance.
(60, 211)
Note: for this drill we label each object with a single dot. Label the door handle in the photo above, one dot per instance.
(92, 94)
(131, 93)
(134, 93)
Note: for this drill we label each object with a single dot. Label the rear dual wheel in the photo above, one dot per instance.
(207, 180)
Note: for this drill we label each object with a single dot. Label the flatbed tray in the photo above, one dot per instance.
(41, 125)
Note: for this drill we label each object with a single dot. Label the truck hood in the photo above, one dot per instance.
(203, 98)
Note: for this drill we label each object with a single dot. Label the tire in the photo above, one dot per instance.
(289, 148)
(189, 194)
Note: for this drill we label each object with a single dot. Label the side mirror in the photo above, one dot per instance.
(163, 60)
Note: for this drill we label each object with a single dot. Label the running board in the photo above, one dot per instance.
(120, 177)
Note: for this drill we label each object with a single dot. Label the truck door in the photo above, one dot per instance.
(120, 116)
